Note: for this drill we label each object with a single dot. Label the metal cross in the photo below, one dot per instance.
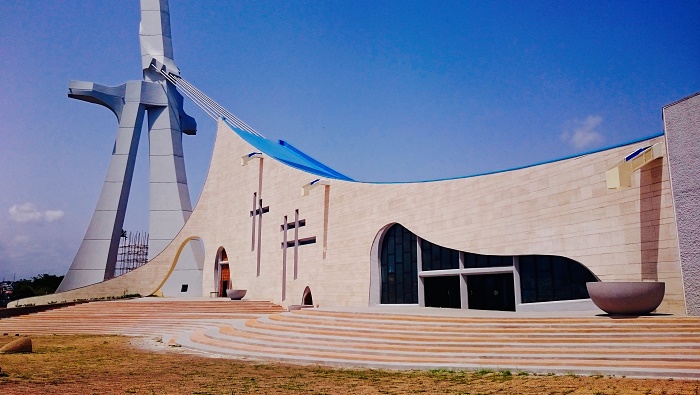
(298, 223)
(257, 212)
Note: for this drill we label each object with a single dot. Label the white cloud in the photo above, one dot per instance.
(584, 134)
(27, 212)
(53, 215)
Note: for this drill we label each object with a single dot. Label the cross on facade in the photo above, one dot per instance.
(257, 213)
(286, 243)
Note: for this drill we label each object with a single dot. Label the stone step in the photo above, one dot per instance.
(249, 329)
(269, 323)
(241, 333)
(295, 319)
(659, 346)
(675, 367)
(141, 316)
(510, 320)
(349, 351)
(395, 341)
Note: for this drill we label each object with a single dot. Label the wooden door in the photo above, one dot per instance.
(224, 280)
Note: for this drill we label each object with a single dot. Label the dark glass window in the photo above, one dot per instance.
(435, 257)
(543, 275)
(472, 261)
(561, 279)
(545, 278)
(442, 291)
(398, 258)
(528, 279)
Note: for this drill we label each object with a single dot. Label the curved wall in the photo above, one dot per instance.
(561, 208)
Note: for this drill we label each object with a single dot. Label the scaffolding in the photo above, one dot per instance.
(133, 252)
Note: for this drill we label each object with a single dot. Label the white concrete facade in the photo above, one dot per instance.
(562, 208)
(285, 230)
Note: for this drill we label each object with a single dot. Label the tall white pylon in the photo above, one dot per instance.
(170, 205)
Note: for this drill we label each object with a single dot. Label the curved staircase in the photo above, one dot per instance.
(145, 316)
(653, 346)
(644, 346)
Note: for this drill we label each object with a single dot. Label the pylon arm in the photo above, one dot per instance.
(111, 97)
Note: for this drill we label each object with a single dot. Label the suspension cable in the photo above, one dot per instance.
(208, 105)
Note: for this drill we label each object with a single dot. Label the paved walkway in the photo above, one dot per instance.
(400, 337)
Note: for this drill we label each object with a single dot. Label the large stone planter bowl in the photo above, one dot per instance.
(236, 294)
(627, 298)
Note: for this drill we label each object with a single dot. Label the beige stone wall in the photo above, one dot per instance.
(561, 208)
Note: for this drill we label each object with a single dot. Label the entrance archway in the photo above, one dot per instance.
(307, 299)
(223, 273)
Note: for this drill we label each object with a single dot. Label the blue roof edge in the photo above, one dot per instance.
(288, 155)
(337, 174)
(325, 171)
(639, 140)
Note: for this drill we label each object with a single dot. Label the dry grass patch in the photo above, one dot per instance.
(79, 364)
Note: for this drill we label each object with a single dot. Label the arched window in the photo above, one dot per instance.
(546, 278)
(399, 268)
(485, 281)
(435, 257)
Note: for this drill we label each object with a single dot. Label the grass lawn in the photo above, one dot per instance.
(79, 364)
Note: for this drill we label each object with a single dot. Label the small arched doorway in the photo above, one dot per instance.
(223, 273)
(307, 299)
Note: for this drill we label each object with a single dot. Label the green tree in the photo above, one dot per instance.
(42, 284)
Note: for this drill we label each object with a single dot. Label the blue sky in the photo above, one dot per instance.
(378, 90)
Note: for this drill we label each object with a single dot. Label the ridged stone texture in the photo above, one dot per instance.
(682, 124)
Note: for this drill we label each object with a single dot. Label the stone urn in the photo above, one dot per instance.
(627, 298)
(235, 294)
